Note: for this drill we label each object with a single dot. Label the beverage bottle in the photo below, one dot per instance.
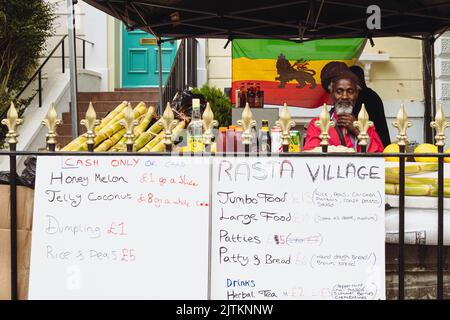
(276, 145)
(221, 144)
(294, 144)
(239, 146)
(265, 140)
(195, 129)
(231, 139)
(250, 95)
(254, 147)
(258, 96)
(242, 96)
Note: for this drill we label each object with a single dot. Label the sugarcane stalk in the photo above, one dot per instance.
(74, 145)
(390, 188)
(110, 116)
(153, 142)
(434, 191)
(147, 136)
(160, 147)
(108, 143)
(410, 189)
(394, 178)
(417, 189)
(145, 121)
(412, 169)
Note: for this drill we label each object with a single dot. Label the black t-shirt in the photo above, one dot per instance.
(375, 109)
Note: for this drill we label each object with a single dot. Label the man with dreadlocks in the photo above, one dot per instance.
(342, 85)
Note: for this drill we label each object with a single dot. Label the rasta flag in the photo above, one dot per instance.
(287, 71)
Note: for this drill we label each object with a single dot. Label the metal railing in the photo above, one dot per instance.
(176, 79)
(38, 72)
(401, 242)
(285, 123)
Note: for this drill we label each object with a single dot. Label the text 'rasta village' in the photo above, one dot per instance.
(263, 170)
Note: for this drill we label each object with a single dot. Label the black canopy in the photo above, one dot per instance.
(294, 20)
(283, 19)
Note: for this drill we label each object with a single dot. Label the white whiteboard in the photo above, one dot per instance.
(298, 228)
(120, 228)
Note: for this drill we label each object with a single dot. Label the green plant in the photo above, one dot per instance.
(25, 26)
(220, 103)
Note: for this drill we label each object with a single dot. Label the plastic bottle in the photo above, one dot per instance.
(239, 146)
(254, 147)
(222, 140)
(231, 139)
(265, 140)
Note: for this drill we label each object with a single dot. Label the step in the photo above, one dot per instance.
(107, 106)
(67, 117)
(151, 89)
(62, 141)
(64, 129)
(118, 96)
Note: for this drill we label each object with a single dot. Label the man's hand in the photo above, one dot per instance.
(346, 121)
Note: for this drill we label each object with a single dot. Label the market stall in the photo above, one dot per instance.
(181, 19)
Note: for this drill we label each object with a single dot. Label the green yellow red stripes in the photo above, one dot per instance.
(328, 49)
(289, 72)
(266, 70)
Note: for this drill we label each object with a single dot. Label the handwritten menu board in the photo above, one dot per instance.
(298, 228)
(120, 228)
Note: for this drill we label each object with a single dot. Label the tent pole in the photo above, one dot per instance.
(433, 74)
(427, 57)
(72, 66)
(161, 102)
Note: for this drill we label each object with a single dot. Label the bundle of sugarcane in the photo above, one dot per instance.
(110, 129)
(157, 145)
(415, 186)
(115, 125)
(110, 133)
(74, 145)
(137, 131)
(430, 190)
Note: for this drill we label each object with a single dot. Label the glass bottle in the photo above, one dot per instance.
(251, 95)
(254, 147)
(195, 129)
(242, 96)
(258, 96)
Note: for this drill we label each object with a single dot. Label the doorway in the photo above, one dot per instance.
(140, 59)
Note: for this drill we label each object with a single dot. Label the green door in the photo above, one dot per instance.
(140, 59)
